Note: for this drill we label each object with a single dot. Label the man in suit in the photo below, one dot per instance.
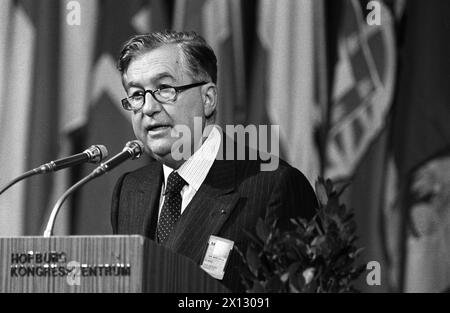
(170, 79)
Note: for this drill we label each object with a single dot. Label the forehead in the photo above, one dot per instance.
(164, 61)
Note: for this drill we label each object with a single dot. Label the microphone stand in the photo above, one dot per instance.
(19, 178)
(102, 169)
(51, 221)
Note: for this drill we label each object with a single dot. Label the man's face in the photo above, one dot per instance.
(154, 122)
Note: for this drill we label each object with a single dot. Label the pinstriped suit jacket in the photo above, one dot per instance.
(230, 200)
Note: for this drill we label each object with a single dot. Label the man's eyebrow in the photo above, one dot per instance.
(155, 79)
(160, 76)
(131, 84)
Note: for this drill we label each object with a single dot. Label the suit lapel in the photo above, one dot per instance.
(207, 212)
(149, 191)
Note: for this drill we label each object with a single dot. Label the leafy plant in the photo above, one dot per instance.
(318, 255)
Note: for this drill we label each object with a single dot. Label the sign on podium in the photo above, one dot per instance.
(97, 264)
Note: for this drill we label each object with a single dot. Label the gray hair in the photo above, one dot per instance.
(197, 56)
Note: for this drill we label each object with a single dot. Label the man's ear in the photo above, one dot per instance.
(209, 99)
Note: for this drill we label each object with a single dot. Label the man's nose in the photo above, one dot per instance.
(151, 106)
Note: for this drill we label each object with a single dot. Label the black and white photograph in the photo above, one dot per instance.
(223, 151)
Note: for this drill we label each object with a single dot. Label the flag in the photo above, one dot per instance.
(107, 123)
(76, 52)
(220, 23)
(42, 138)
(420, 147)
(362, 90)
(361, 95)
(18, 29)
(285, 79)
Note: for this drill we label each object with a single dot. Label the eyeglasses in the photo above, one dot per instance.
(164, 94)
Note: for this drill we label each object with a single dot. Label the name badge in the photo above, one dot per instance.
(216, 256)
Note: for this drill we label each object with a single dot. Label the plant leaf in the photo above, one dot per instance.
(262, 230)
(284, 278)
(321, 193)
(254, 239)
(253, 260)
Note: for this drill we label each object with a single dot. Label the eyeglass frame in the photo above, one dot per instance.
(178, 89)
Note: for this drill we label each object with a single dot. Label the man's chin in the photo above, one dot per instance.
(160, 152)
(159, 148)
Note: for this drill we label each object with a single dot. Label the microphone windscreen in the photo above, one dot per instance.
(103, 151)
(138, 148)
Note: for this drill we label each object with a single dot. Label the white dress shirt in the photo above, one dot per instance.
(194, 169)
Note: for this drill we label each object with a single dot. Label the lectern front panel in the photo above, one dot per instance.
(71, 264)
(97, 264)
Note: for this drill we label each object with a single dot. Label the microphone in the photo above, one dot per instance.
(93, 154)
(132, 150)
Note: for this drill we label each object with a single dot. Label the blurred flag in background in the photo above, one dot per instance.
(418, 210)
(289, 34)
(18, 34)
(363, 67)
(220, 23)
(364, 79)
(75, 62)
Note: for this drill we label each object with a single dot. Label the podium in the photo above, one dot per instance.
(97, 264)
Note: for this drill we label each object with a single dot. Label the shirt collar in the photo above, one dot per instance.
(196, 168)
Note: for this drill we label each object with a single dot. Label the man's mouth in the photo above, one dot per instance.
(157, 128)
